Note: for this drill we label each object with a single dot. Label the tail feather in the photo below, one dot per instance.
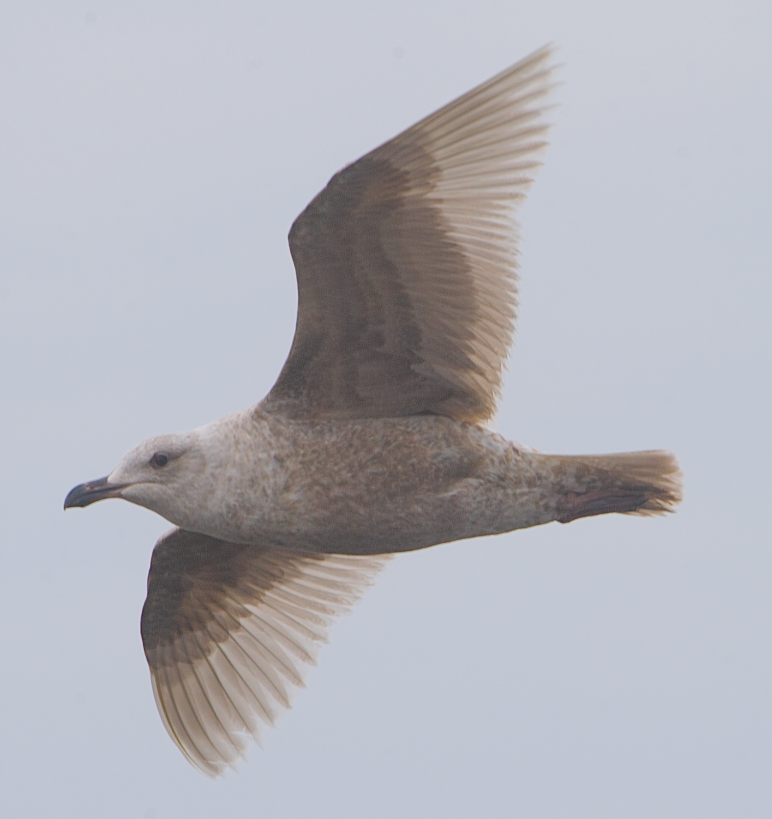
(632, 483)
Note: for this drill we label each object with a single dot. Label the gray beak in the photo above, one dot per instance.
(91, 492)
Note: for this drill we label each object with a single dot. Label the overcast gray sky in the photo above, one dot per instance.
(154, 155)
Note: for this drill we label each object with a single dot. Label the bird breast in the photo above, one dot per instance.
(358, 486)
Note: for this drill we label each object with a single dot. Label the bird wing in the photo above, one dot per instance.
(228, 630)
(406, 263)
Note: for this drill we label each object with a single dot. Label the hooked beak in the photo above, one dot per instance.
(92, 491)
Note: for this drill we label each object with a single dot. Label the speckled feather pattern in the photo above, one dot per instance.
(372, 440)
(371, 486)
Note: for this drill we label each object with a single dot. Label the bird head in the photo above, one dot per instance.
(150, 475)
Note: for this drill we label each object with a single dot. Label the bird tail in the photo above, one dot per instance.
(632, 483)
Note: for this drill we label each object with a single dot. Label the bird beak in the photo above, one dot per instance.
(93, 491)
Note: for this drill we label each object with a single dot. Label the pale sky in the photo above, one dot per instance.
(154, 157)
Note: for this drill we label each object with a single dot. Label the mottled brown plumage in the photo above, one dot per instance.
(227, 630)
(406, 263)
(371, 440)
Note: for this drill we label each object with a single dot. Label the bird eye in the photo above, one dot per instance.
(159, 459)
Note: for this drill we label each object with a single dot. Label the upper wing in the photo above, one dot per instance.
(228, 630)
(406, 263)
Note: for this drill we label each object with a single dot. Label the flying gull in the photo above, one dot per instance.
(373, 439)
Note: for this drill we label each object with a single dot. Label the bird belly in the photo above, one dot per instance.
(386, 485)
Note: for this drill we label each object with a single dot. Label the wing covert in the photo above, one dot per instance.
(228, 630)
(406, 263)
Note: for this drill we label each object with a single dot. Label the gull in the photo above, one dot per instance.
(373, 439)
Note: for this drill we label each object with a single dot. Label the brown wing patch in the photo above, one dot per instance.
(228, 630)
(406, 263)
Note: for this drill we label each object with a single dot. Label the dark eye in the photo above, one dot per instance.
(159, 459)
